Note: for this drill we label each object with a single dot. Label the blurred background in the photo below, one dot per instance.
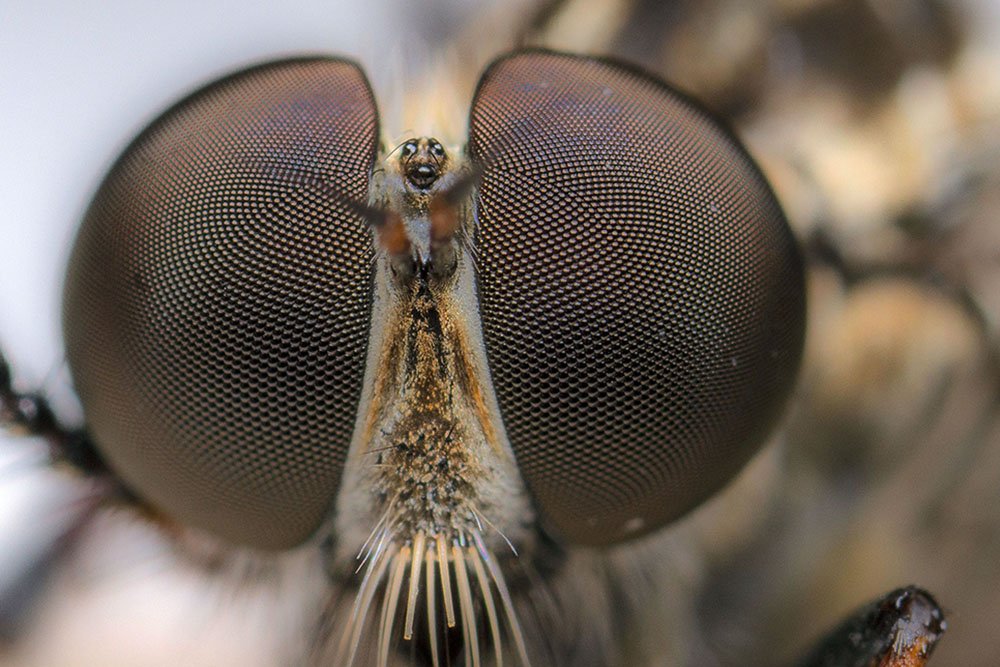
(878, 123)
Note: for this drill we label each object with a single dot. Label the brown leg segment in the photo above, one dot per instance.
(900, 629)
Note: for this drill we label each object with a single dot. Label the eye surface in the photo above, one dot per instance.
(641, 294)
(217, 314)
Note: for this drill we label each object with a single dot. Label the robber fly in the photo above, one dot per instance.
(454, 380)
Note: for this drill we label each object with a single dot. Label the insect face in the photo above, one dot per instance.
(430, 490)
(423, 161)
(458, 367)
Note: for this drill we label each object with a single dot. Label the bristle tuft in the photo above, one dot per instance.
(389, 567)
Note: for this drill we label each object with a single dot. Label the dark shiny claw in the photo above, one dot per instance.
(900, 629)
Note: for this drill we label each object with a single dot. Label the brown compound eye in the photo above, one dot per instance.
(217, 315)
(641, 294)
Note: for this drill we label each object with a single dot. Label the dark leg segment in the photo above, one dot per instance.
(899, 629)
(30, 414)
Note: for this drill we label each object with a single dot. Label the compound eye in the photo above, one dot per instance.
(641, 293)
(408, 149)
(218, 300)
(437, 150)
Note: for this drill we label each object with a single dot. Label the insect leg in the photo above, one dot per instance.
(30, 414)
(900, 629)
(46, 543)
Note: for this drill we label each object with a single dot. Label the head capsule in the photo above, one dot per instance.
(423, 161)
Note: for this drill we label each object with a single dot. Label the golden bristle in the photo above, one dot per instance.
(391, 568)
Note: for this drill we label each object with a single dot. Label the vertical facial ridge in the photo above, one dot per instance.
(429, 481)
